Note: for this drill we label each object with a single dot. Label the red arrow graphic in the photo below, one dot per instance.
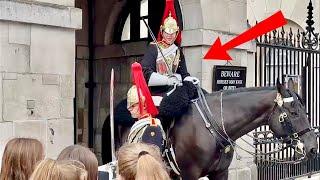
(219, 51)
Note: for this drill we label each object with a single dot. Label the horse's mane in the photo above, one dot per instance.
(240, 90)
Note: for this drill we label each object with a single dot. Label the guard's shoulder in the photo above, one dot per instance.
(152, 46)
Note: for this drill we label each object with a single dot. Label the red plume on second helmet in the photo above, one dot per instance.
(142, 87)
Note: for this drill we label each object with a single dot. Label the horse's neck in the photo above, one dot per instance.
(245, 111)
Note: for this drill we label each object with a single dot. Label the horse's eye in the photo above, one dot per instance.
(294, 113)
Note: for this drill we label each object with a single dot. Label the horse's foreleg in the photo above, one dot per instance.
(223, 175)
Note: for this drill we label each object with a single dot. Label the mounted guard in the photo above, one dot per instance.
(164, 65)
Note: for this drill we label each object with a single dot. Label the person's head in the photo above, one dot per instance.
(84, 155)
(133, 102)
(20, 157)
(59, 170)
(169, 30)
(139, 161)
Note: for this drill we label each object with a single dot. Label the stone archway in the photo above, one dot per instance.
(107, 53)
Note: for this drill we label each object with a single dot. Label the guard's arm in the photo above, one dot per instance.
(148, 61)
(182, 68)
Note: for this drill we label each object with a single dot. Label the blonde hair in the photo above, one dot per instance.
(84, 155)
(20, 158)
(59, 170)
(139, 161)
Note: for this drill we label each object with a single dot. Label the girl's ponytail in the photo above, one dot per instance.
(138, 161)
(150, 168)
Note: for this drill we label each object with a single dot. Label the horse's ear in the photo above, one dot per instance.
(291, 84)
(280, 87)
(278, 84)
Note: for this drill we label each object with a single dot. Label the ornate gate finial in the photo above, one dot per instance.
(309, 37)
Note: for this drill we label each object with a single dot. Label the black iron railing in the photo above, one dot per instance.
(286, 55)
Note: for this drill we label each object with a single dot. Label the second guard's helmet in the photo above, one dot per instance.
(139, 92)
(133, 97)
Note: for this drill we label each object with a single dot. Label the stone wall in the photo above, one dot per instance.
(37, 75)
(204, 21)
(293, 10)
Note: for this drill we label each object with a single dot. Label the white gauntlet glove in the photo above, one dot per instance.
(157, 79)
(194, 80)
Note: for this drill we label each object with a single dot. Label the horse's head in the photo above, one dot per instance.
(289, 122)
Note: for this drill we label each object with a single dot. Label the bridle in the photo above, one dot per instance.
(293, 137)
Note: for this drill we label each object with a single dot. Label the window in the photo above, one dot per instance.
(138, 12)
(143, 14)
(126, 30)
(130, 26)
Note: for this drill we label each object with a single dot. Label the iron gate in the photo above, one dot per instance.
(286, 55)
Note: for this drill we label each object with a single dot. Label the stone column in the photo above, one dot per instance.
(37, 71)
(204, 21)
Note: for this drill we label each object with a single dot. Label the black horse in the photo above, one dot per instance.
(200, 153)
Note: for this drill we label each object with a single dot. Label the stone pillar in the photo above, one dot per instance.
(37, 71)
(204, 21)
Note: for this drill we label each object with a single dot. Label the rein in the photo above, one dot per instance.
(210, 123)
